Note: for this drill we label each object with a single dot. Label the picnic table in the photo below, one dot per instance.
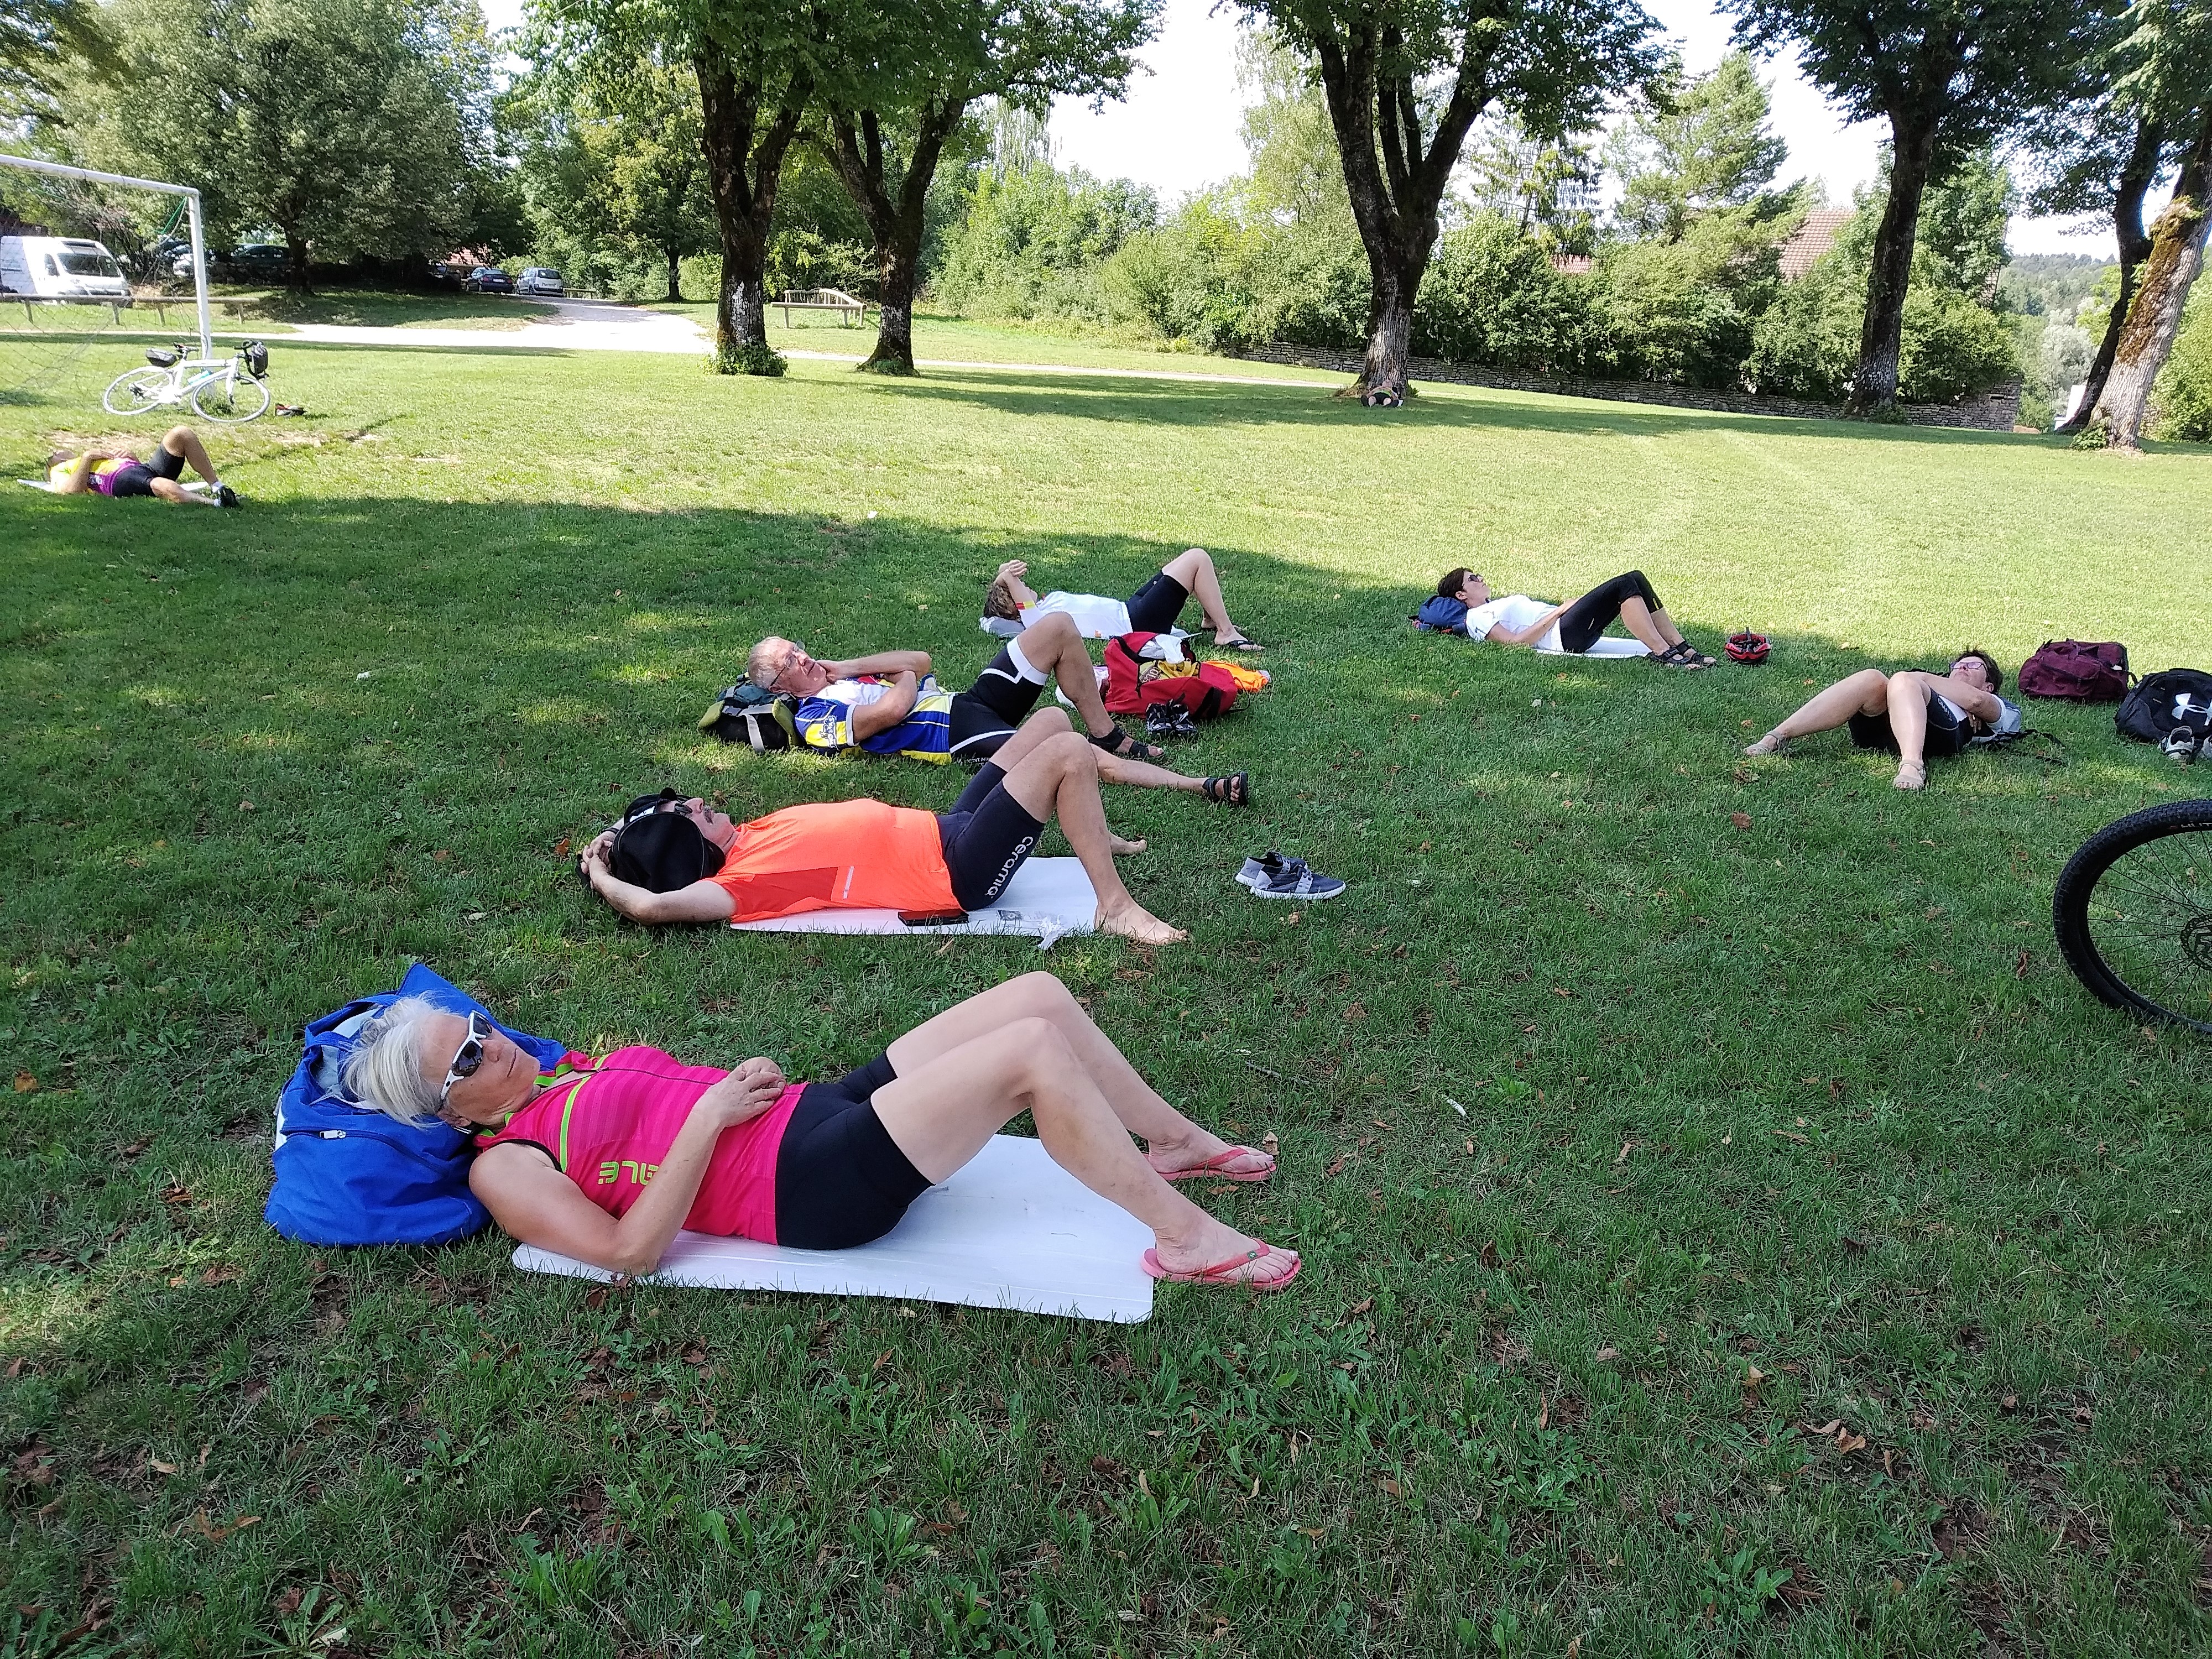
(822, 299)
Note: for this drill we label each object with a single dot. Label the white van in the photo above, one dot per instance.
(60, 268)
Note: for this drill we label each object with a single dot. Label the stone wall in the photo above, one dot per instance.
(1994, 411)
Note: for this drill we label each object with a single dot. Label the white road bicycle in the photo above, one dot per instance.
(229, 389)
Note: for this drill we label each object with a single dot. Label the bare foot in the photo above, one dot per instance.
(1215, 1243)
(1131, 919)
(1772, 743)
(1123, 849)
(1910, 776)
(1200, 1148)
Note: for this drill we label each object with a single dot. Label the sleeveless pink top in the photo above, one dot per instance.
(609, 1126)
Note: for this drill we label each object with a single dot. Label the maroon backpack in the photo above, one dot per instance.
(2077, 670)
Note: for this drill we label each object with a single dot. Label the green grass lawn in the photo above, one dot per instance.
(1806, 1218)
(967, 340)
(279, 309)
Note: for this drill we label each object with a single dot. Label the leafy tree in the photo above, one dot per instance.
(1949, 77)
(1491, 296)
(616, 158)
(1685, 309)
(352, 126)
(1701, 147)
(913, 68)
(42, 42)
(1547, 187)
(758, 63)
(1035, 239)
(2185, 385)
(2165, 76)
(1296, 173)
(1404, 82)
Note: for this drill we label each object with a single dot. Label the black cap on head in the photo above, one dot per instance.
(661, 852)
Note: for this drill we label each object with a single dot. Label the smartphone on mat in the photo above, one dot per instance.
(933, 918)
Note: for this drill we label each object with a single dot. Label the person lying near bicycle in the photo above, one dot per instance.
(1011, 606)
(606, 1159)
(1574, 627)
(118, 472)
(672, 859)
(890, 703)
(1911, 715)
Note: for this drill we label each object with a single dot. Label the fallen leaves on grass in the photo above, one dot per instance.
(1742, 820)
(25, 1083)
(216, 1534)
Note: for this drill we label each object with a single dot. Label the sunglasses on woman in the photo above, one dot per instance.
(467, 1058)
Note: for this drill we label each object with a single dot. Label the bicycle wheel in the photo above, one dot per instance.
(233, 398)
(2134, 913)
(136, 391)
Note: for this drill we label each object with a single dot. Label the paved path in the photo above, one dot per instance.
(600, 326)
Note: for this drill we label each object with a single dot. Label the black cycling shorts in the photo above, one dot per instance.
(137, 477)
(987, 836)
(1947, 734)
(1588, 616)
(984, 716)
(840, 1178)
(1154, 607)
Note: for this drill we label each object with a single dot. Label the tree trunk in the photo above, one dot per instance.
(1389, 364)
(2177, 253)
(295, 265)
(855, 150)
(744, 164)
(675, 282)
(2135, 181)
(1395, 181)
(1889, 276)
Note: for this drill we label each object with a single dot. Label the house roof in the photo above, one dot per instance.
(1571, 265)
(1814, 238)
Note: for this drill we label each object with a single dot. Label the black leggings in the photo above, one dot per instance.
(984, 716)
(1580, 622)
(840, 1178)
(987, 835)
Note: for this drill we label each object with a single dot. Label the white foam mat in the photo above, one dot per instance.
(1047, 900)
(1606, 645)
(1012, 1229)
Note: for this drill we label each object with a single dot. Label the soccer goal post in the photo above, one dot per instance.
(192, 213)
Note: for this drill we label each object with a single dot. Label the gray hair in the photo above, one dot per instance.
(760, 668)
(384, 1070)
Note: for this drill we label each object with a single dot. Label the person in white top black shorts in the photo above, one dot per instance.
(1911, 714)
(1574, 627)
(1011, 605)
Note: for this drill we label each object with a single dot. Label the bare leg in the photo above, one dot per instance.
(1194, 568)
(1143, 774)
(1175, 1142)
(1645, 623)
(942, 1114)
(1053, 647)
(1866, 692)
(1060, 779)
(183, 440)
(1044, 723)
(1908, 718)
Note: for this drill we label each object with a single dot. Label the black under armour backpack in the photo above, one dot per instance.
(2160, 702)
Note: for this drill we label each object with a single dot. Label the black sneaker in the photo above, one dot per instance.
(225, 496)
(1169, 720)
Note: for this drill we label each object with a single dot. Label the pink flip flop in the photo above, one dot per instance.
(1219, 1273)
(1212, 1167)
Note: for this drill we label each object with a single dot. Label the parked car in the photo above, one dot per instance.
(538, 279)
(440, 275)
(61, 268)
(487, 279)
(268, 259)
(161, 258)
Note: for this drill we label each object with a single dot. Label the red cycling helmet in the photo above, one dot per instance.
(1747, 647)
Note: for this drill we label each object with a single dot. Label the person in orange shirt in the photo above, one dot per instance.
(674, 860)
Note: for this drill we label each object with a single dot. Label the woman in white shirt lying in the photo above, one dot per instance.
(1910, 713)
(1011, 604)
(1517, 619)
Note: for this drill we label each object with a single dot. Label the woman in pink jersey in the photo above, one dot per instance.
(605, 1159)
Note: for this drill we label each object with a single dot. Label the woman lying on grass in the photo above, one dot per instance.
(1517, 619)
(117, 473)
(1011, 605)
(1911, 715)
(604, 1162)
